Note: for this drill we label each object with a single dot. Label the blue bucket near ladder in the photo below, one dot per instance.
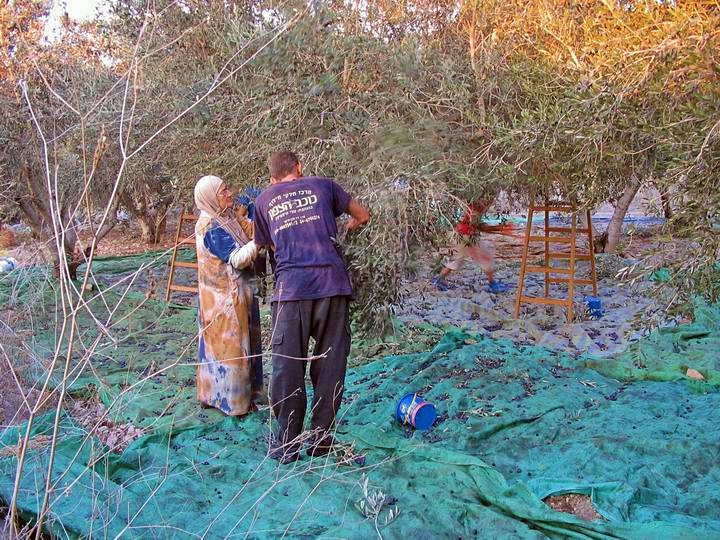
(594, 306)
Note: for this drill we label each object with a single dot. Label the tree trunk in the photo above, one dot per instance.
(151, 219)
(147, 228)
(667, 208)
(614, 230)
(109, 226)
(73, 258)
(161, 219)
(70, 245)
(35, 209)
(38, 215)
(160, 229)
(37, 222)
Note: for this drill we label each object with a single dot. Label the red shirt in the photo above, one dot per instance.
(469, 225)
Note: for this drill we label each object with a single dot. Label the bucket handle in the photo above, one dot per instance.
(407, 419)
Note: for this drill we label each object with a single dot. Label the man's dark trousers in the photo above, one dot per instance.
(327, 321)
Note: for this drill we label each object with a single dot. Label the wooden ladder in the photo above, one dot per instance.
(567, 274)
(174, 263)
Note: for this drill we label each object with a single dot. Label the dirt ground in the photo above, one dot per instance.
(573, 503)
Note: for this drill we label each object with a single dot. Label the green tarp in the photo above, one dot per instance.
(515, 425)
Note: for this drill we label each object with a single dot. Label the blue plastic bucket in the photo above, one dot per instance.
(594, 306)
(414, 410)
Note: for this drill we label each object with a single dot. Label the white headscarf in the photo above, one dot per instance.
(206, 199)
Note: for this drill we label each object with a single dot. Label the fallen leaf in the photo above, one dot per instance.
(695, 374)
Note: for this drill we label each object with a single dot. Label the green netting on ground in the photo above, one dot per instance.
(115, 265)
(516, 424)
(667, 353)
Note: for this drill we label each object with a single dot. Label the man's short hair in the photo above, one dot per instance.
(281, 164)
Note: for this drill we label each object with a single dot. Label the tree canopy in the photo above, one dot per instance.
(415, 106)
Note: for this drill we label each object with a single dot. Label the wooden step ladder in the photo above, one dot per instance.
(174, 263)
(568, 236)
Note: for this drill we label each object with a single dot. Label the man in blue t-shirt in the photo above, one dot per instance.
(296, 216)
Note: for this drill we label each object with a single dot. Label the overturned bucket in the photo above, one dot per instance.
(594, 306)
(412, 409)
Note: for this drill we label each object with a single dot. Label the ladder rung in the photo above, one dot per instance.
(555, 239)
(183, 288)
(578, 256)
(565, 229)
(560, 208)
(566, 280)
(174, 263)
(547, 270)
(543, 300)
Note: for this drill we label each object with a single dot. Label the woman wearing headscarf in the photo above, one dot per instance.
(227, 378)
